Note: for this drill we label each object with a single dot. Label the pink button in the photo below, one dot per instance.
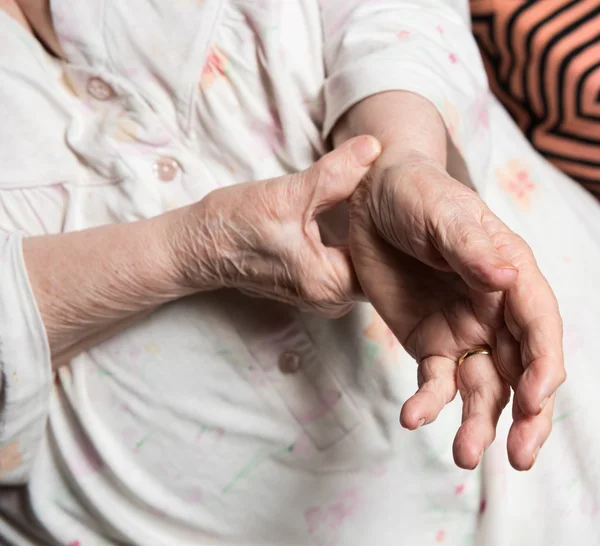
(290, 363)
(99, 89)
(166, 169)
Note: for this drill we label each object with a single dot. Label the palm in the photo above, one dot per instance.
(437, 317)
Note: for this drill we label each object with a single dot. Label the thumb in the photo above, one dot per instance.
(469, 250)
(336, 175)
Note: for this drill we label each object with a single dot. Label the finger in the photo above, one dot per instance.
(528, 434)
(327, 283)
(507, 355)
(484, 396)
(437, 387)
(533, 318)
(336, 175)
(338, 258)
(464, 243)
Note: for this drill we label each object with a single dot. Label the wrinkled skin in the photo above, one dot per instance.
(262, 237)
(447, 275)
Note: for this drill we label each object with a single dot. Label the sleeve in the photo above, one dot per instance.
(423, 46)
(25, 366)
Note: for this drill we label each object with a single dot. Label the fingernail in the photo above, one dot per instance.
(535, 454)
(420, 423)
(366, 149)
(544, 402)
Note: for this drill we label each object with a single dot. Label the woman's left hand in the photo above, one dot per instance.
(447, 275)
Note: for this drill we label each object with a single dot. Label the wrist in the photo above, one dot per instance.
(191, 257)
(164, 231)
(405, 124)
(399, 155)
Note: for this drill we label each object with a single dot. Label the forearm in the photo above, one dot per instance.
(408, 126)
(402, 121)
(88, 284)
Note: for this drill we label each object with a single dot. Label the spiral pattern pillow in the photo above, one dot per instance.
(543, 62)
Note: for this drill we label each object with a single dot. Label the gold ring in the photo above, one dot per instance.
(483, 350)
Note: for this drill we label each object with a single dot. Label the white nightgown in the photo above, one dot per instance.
(183, 429)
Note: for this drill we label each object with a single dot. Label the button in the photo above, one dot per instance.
(99, 89)
(290, 363)
(166, 169)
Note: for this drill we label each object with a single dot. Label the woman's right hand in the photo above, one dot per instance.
(262, 237)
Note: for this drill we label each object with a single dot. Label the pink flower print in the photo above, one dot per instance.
(214, 68)
(403, 34)
(313, 517)
(453, 58)
(215, 433)
(74, 543)
(324, 522)
(440, 536)
(514, 179)
(459, 489)
(440, 29)
(481, 112)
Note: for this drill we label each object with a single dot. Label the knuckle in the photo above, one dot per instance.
(284, 193)
(523, 252)
(440, 390)
(331, 167)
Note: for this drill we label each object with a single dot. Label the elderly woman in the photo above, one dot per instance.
(161, 162)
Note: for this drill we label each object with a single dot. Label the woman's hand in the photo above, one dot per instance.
(447, 275)
(262, 237)
(259, 237)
